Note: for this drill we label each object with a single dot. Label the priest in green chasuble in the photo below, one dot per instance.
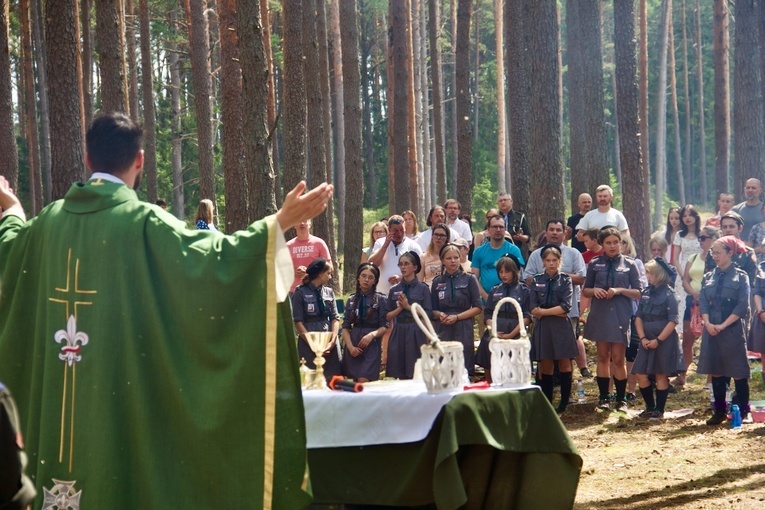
(154, 366)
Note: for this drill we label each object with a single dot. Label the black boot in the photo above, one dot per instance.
(565, 391)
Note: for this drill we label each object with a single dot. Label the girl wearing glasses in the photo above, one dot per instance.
(431, 260)
(379, 229)
(406, 338)
(612, 281)
(364, 325)
(456, 300)
(692, 278)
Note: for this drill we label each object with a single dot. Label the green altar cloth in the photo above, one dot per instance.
(493, 450)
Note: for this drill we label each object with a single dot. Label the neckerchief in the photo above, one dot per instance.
(719, 288)
(362, 307)
(322, 309)
(550, 283)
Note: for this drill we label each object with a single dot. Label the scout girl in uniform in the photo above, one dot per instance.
(364, 326)
(655, 322)
(553, 339)
(314, 309)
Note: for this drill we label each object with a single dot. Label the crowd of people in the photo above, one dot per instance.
(583, 281)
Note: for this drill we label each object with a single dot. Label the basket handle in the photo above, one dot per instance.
(423, 321)
(524, 333)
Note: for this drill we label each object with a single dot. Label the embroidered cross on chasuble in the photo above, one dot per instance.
(154, 366)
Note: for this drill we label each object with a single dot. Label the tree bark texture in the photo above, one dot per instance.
(636, 205)
(176, 122)
(517, 35)
(660, 170)
(354, 229)
(64, 95)
(687, 171)
(366, 42)
(271, 121)
(8, 155)
(722, 96)
(200, 77)
(415, 111)
(499, 28)
(749, 134)
(111, 53)
(295, 107)
(676, 112)
(462, 95)
(401, 80)
(149, 115)
(338, 124)
(232, 135)
(704, 198)
(643, 113)
(31, 133)
(438, 107)
(546, 164)
(87, 61)
(41, 61)
(132, 67)
(257, 146)
(589, 160)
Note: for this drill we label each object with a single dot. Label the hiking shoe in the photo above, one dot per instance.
(622, 406)
(604, 404)
(646, 414)
(560, 409)
(746, 417)
(630, 397)
(717, 418)
(585, 372)
(657, 415)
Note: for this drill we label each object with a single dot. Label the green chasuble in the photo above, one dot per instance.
(152, 365)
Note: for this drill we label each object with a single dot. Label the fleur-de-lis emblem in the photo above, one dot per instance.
(74, 341)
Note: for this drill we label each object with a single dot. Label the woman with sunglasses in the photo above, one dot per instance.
(692, 278)
(456, 300)
(431, 260)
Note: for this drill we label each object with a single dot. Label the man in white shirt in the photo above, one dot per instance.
(388, 249)
(604, 215)
(453, 221)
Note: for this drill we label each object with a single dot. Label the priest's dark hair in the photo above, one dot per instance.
(113, 142)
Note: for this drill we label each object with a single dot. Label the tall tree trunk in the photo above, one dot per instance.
(367, 28)
(199, 48)
(271, 121)
(517, 35)
(417, 128)
(749, 133)
(589, 160)
(338, 126)
(87, 61)
(176, 121)
(295, 108)
(9, 158)
(414, 174)
(232, 135)
(617, 150)
(64, 95)
(702, 131)
(438, 106)
(132, 67)
(257, 146)
(354, 229)
(464, 185)
(675, 112)
(660, 171)
(643, 114)
(41, 61)
(546, 163)
(429, 189)
(322, 224)
(499, 28)
(722, 97)
(476, 64)
(688, 169)
(636, 205)
(398, 30)
(149, 115)
(453, 103)
(33, 139)
(111, 53)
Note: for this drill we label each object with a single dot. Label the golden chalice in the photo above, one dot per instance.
(319, 342)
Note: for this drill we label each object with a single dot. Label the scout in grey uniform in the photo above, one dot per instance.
(756, 340)
(655, 322)
(456, 300)
(612, 281)
(364, 326)
(723, 302)
(508, 325)
(553, 340)
(314, 309)
(407, 337)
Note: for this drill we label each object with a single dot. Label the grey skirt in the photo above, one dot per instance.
(725, 354)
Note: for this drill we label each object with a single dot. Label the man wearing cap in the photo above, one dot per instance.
(751, 208)
(573, 265)
(453, 221)
(388, 249)
(517, 229)
(486, 256)
(604, 215)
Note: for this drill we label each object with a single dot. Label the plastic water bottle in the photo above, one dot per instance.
(580, 392)
(735, 417)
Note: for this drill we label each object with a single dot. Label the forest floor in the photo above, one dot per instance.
(631, 463)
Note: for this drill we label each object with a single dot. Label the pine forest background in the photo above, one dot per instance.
(400, 103)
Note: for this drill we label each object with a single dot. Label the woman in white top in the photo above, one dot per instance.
(431, 260)
(411, 229)
(686, 240)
